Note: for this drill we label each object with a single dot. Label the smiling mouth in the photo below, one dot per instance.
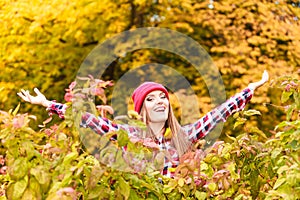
(160, 109)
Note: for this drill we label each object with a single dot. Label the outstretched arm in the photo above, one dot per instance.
(204, 125)
(264, 79)
(39, 99)
(99, 125)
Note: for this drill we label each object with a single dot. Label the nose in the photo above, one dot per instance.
(159, 101)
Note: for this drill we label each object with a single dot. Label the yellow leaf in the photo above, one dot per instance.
(168, 133)
(181, 182)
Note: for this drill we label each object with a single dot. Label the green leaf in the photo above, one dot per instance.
(134, 195)
(174, 195)
(35, 186)
(29, 149)
(231, 167)
(239, 197)
(137, 182)
(294, 145)
(29, 194)
(200, 195)
(279, 182)
(69, 158)
(124, 187)
(95, 176)
(236, 115)
(16, 190)
(97, 192)
(137, 123)
(68, 176)
(41, 174)
(230, 137)
(285, 96)
(282, 124)
(122, 138)
(251, 112)
(212, 187)
(297, 98)
(170, 187)
(185, 190)
(239, 121)
(5, 133)
(254, 129)
(290, 111)
(18, 169)
(181, 182)
(275, 153)
(14, 113)
(54, 188)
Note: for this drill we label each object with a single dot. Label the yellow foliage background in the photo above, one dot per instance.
(44, 42)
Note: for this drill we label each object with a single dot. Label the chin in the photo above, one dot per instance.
(160, 119)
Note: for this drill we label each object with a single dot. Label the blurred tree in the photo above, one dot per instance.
(43, 43)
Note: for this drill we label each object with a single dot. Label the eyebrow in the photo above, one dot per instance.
(151, 95)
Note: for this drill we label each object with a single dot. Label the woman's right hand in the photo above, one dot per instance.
(39, 99)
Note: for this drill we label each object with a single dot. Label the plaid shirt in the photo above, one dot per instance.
(195, 131)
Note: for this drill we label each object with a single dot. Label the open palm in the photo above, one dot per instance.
(264, 79)
(39, 99)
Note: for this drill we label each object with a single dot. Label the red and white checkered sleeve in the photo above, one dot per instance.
(99, 125)
(57, 108)
(102, 125)
(204, 125)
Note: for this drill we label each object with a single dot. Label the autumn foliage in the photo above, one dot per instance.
(43, 44)
(56, 162)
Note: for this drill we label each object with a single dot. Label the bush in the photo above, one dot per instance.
(54, 163)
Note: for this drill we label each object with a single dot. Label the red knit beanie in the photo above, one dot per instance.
(141, 92)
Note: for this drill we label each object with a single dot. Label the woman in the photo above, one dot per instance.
(151, 101)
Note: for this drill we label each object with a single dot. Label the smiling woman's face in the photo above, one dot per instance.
(157, 106)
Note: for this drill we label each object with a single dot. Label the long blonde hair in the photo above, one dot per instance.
(179, 139)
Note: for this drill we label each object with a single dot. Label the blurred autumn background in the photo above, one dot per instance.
(43, 44)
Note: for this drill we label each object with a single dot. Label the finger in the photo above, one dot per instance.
(266, 72)
(22, 96)
(266, 75)
(26, 92)
(23, 91)
(37, 91)
(28, 96)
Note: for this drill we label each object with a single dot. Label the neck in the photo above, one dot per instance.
(158, 128)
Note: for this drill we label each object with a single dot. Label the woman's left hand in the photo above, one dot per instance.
(264, 79)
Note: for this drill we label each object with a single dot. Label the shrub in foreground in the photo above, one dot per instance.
(55, 163)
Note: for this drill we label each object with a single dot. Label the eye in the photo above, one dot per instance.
(163, 96)
(149, 99)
